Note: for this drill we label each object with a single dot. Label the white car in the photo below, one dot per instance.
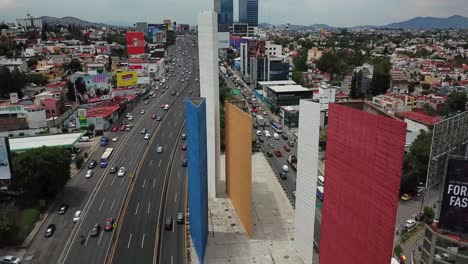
(267, 133)
(77, 216)
(121, 172)
(147, 136)
(128, 115)
(159, 149)
(285, 168)
(259, 133)
(10, 259)
(142, 111)
(410, 223)
(265, 113)
(89, 174)
(114, 139)
(130, 118)
(276, 136)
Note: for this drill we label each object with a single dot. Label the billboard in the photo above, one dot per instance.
(127, 78)
(91, 88)
(5, 160)
(223, 40)
(157, 33)
(141, 69)
(168, 24)
(135, 43)
(256, 48)
(454, 211)
(82, 117)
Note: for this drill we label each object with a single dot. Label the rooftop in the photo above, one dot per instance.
(421, 118)
(289, 88)
(272, 83)
(26, 143)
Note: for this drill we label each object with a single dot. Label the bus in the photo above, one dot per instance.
(277, 127)
(106, 157)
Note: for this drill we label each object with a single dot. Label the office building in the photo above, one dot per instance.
(142, 27)
(225, 15)
(209, 89)
(365, 149)
(241, 30)
(30, 23)
(277, 96)
(248, 12)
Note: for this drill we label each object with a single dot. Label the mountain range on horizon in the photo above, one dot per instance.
(452, 22)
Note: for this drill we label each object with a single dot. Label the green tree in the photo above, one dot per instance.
(71, 91)
(381, 79)
(74, 65)
(40, 173)
(44, 32)
(109, 64)
(425, 86)
(416, 161)
(298, 77)
(429, 213)
(456, 101)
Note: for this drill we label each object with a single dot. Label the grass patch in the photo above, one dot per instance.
(397, 250)
(411, 233)
(27, 219)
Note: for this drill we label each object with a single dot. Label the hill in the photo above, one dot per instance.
(68, 20)
(453, 22)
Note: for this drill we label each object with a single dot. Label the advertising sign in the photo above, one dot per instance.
(135, 43)
(91, 88)
(127, 78)
(454, 210)
(5, 161)
(157, 33)
(14, 98)
(82, 117)
(141, 69)
(256, 48)
(223, 40)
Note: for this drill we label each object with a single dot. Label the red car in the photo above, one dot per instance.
(287, 148)
(109, 224)
(115, 128)
(277, 153)
(153, 117)
(184, 147)
(122, 127)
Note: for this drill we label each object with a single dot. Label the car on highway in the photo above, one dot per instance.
(271, 145)
(159, 149)
(146, 102)
(143, 131)
(114, 139)
(142, 111)
(153, 116)
(190, 92)
(410, 223)
(177, 94)
(128, 115)
(261, 140)
(276, 136)
(283, 175)
(291, 144)
(89, 174)
(122, 127)
(92, 164)
(10, 260)
(285, 168)
(265, 113)
(277, 153)
(259, 133)
(158, 118)
(147, 136)
(130, 118)
(180, 218)
(184, 163)
(109, 225)
(95, 230)
(154, 96)
(287, 148)
(76, 216)
(184, 136)
(267, 134)
(168, 223)
(184, 146)
(121, 172)
(173, 93)
(255, 126)
(49, 230)
(113, 169)
(405, 197)
(115, 128)
(269, 154)
(63, 209)
(284, 137)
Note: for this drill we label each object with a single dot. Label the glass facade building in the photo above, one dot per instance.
(248, 12)
(225, 15)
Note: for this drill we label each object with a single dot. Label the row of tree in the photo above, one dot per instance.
(14, 81)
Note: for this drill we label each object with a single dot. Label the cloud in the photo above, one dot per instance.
(7, 3)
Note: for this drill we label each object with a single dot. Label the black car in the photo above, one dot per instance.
(283, 175)
(184, 163)
(284, 137)
(92, 164)
(291, 144)
(261, 140)
(269, 154)
(255, 126)
(113, 169)
(50, 230)
(63, 209)
(190, 92)
(168, 223)
(95, 231)
(173, 93)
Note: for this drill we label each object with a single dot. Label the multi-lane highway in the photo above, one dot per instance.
(103, 195)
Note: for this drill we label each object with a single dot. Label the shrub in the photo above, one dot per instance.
(79, 161)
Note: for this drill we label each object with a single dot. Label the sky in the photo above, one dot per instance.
(303, 12)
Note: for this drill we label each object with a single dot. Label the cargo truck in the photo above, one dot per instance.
(260, 120)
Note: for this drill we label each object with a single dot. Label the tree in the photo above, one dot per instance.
(425, 86)
(298, 77)
(40, 173)
(91, 127)
(429, 213)
(381, 79)
(109, 64)
(456, 101)
(44, 32)
(10, 82)
(71, 91)
(74, 65)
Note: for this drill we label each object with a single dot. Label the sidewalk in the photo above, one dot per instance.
(409, 247)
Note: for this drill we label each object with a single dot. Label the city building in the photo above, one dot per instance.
(325, 96)
(416, 121)
(277, 96)
(363, 76)
(268, 68)
(30, 23)
(52, 102)
(272, 49)
(442, 247)
(13, 64)
(398, 82)
(241, 30)
(248, 12)
(363, 183)
(142, 27)
(21, 115)
(209, 89)
(225, 15)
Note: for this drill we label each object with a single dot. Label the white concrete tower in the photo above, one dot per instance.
(209, 88)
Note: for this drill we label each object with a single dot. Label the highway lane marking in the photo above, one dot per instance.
(129, 240)
(121, 182)
(175, 199)
(154, 182)
(170, 135)
(99, 241)
(87, 238)
(178, 175)
(113, 181)
(173, 227)
(175, 123)
(172, 259)
(144, 182)
(136, 211)
(159, 163)
(164, 132)
(100, 207)
(143, 240)
(151, 163)
(165, 146)
(149, 205)
(112, 206)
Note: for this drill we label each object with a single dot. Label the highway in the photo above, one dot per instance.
(159, 188)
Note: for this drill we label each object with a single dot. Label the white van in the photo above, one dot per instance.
(276, 136)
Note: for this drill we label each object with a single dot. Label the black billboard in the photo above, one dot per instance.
(454, 210)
